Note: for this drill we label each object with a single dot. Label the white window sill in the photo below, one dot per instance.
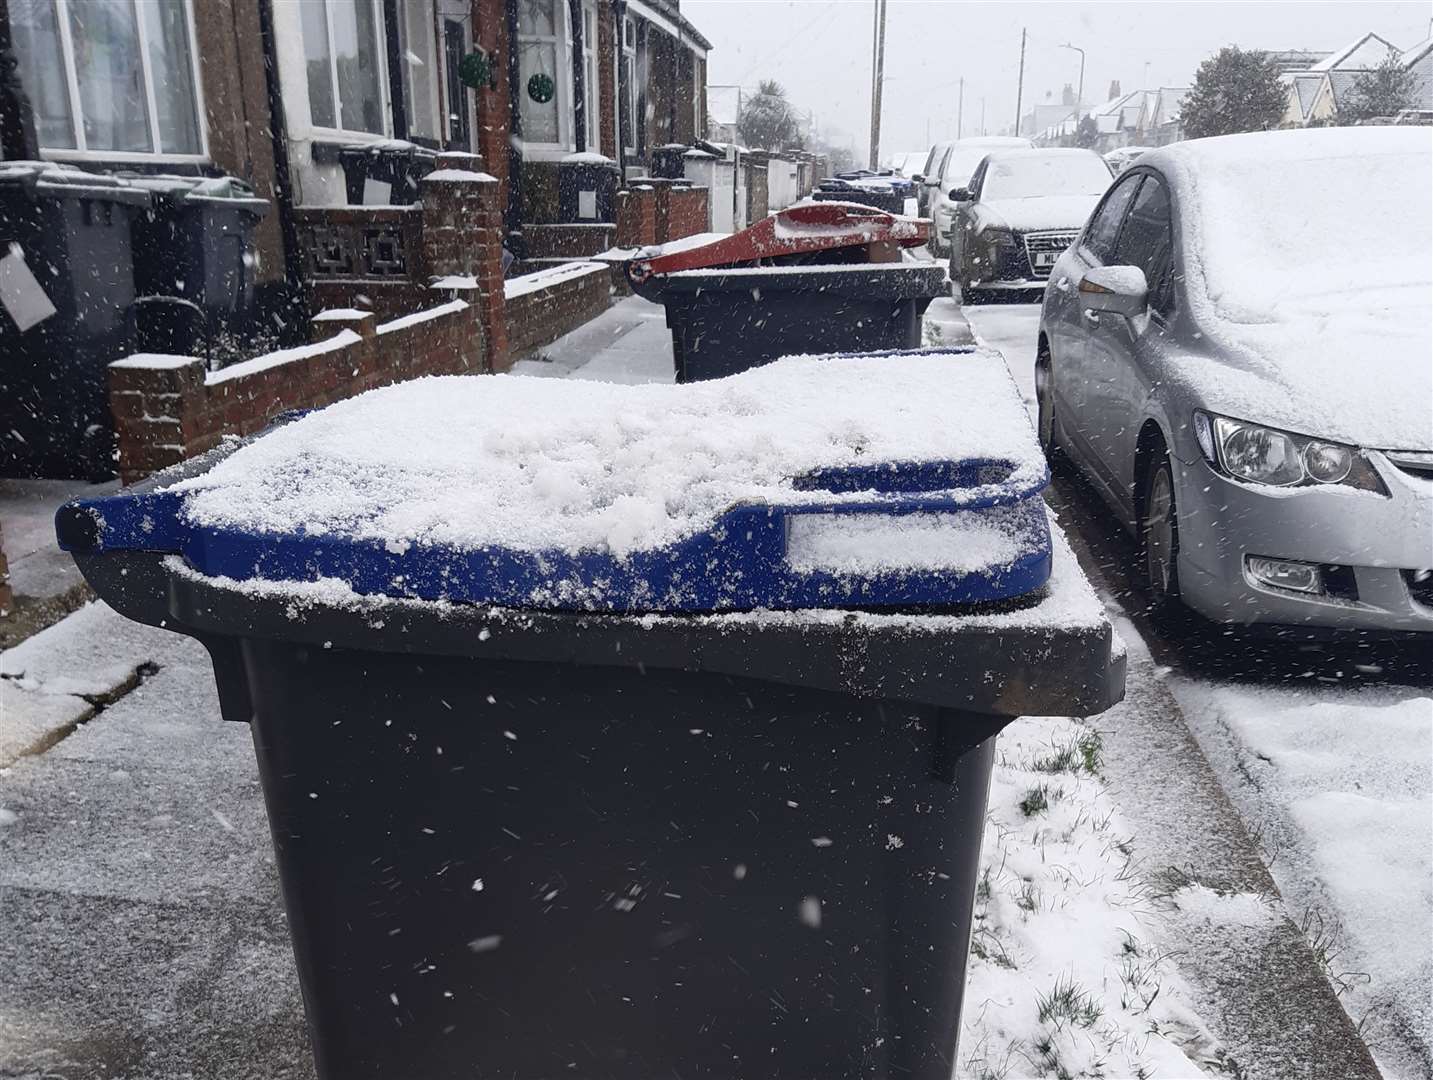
(121, 156)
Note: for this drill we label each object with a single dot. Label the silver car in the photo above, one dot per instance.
(1237, 351)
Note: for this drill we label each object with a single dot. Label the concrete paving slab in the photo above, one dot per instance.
(160, 832)
(217, 996)
(31, 721)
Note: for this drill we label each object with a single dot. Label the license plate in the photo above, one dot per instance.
(1045, 259)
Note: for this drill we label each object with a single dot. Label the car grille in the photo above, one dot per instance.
(1045, 243)
(1417, 463)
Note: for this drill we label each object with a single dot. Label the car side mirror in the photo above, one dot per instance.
(1120, 290)
(960, 194)
(917, 178)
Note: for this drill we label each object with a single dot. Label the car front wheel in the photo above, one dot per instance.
(1159, 536)
(1045, 403)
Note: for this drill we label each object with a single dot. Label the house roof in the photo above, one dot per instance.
(1171, 103)
(1340, 83)
(1411, 56)
(1287, 60)
(1306, 90)
(1367, 52)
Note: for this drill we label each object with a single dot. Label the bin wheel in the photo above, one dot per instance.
(1159, 536)
(1045, 404)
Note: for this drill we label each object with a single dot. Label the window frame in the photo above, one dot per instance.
(633, 100)
(1134, 180)
(591, 77)
(1163, 289)
(80, 152)
(438, 115)
(325, 133)
(561, 41)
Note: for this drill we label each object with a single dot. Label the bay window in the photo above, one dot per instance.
(110, 78)
(343, 54)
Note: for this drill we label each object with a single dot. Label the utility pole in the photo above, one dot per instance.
(1080, 93)
(1020, 89)
(878, 77)
(982, 114)
(960, 111)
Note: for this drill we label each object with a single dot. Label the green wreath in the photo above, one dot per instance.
(541, 88)
(476, 70)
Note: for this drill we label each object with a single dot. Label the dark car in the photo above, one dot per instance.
(1020, 211)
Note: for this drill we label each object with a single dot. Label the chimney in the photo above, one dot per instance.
(1114, 89)
(1067, 95)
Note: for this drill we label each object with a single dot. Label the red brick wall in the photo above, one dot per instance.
(686, 213)
(543, 315)
(167, 412)
(636, 217)
(606, 79)
(568, 241)
(494, 116)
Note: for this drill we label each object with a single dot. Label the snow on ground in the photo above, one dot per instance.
(1064, 980)
(1338, 785)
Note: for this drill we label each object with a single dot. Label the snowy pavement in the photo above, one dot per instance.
(1326, 754)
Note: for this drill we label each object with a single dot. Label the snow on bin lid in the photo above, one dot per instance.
(778, 487)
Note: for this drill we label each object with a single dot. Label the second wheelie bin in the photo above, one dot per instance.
(666, 764)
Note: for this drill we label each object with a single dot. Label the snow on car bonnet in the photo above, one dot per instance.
(1309, 255)
(755, 490)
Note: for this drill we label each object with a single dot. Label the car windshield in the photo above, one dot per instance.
(964, 160)
(1030, 176)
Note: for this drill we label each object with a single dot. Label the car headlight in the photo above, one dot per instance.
(1263, 455)
(997, 237)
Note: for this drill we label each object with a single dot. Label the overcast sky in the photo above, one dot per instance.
(820, 50)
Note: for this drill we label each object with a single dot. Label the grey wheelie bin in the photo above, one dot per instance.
(687, 782)
(812, 278)
(66, 290)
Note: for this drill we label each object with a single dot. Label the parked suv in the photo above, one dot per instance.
(929, 177)
(1020, 211)
(1236, 354)
(957, 169)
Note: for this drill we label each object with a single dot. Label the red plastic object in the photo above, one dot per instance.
(797, 230)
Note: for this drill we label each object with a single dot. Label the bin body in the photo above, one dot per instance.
(587, 190)
(726, 321)
(658, 896)
(54, 406)
(580, 841)
(397, 164)
(199, 248)
(668, 160)
(892, 202)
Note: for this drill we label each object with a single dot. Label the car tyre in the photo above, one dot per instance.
(1045, 406)
(1159, 538)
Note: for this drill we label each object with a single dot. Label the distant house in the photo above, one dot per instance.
(1318, 93)
(1138, 118)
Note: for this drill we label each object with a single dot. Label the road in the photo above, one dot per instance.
(1325, 750)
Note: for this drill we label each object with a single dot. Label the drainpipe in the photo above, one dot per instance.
(283, 185)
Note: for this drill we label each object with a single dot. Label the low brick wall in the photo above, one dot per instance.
(168, 408)
(567, 241)
(636, 217)
(542, 307)
(686, 213)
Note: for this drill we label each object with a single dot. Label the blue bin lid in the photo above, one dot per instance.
(882, 480)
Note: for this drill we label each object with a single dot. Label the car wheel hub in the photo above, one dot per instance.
(1159, 532)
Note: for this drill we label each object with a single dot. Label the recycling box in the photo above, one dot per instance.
(66, 290)
(726, 320)
(627, 731)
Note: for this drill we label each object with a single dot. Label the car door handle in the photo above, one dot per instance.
(1091, 317)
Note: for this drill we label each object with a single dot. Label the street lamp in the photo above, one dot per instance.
(1080, 93)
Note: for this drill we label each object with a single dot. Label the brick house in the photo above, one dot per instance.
(272, 91)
